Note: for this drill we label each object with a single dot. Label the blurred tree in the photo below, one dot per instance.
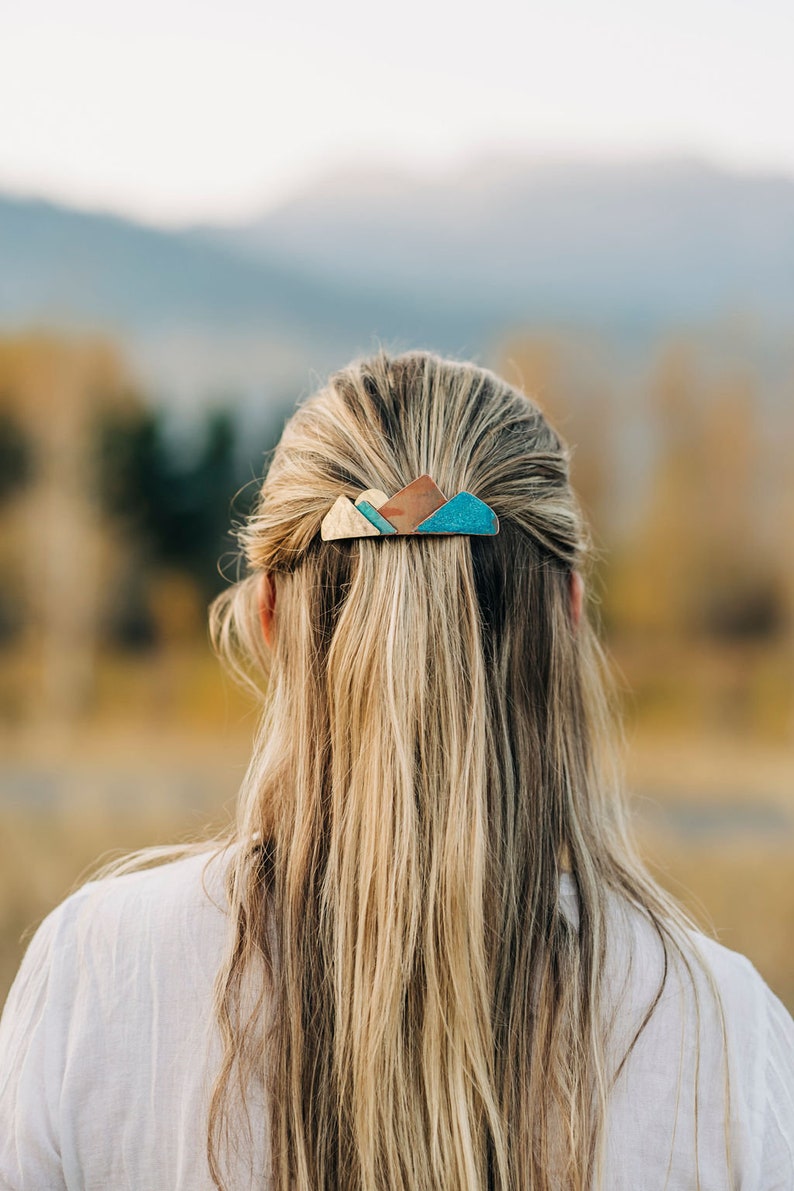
(176, 505)
(740, 588)
(174, 502)
(697, 563)
(15, 474)
(56, 546)
(15, 452)
(653, 578)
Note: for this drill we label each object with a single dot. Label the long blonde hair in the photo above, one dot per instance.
(437, 734)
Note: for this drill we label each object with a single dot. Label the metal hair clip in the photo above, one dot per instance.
(420, 507)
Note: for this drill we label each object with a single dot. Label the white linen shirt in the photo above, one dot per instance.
(108, 1050)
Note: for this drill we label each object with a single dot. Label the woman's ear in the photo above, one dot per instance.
(577, 597)
(267, 607)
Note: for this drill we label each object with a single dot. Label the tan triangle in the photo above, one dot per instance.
(373, 496)
(343, 520)
(413, 504)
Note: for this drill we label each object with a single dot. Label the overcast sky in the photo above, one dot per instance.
(176, 110)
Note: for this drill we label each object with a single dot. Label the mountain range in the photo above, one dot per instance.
(628, 249)
(615, 242)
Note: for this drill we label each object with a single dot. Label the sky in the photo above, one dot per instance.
(176, 111)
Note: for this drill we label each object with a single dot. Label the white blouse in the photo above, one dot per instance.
(107, 1052)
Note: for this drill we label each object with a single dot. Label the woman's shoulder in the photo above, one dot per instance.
(112, 1000)
(688, 972)
(641, 948)
(170, 887)
(117, 946)
(705, 1038)
(106, 924)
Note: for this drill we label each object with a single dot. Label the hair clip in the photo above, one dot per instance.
(420, 507)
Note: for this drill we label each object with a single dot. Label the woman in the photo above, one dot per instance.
(428, 957)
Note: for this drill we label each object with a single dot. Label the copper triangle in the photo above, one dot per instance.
(413, 504)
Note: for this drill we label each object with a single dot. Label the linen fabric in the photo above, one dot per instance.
(108, 1051)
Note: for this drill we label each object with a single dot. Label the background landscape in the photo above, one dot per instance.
(640, 288)
(144, 373)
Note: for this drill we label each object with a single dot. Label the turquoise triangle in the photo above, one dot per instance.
(463, 514)
(372, 515)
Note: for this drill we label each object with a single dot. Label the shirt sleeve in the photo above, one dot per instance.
(777, 1164)
(33, 1031)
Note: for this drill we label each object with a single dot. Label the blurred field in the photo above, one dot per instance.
(715, 820)
(160, 758)
(118, 729)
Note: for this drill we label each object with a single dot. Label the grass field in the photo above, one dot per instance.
(731, 863)
(713, 807)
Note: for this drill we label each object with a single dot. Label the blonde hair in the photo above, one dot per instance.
(437, 735)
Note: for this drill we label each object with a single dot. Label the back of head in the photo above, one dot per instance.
(435, 742)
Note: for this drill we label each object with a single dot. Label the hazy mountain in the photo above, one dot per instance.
(194, 310)
(621, 243)
(627, 249)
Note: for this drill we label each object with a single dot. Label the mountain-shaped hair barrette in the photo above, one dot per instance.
(420, 507)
